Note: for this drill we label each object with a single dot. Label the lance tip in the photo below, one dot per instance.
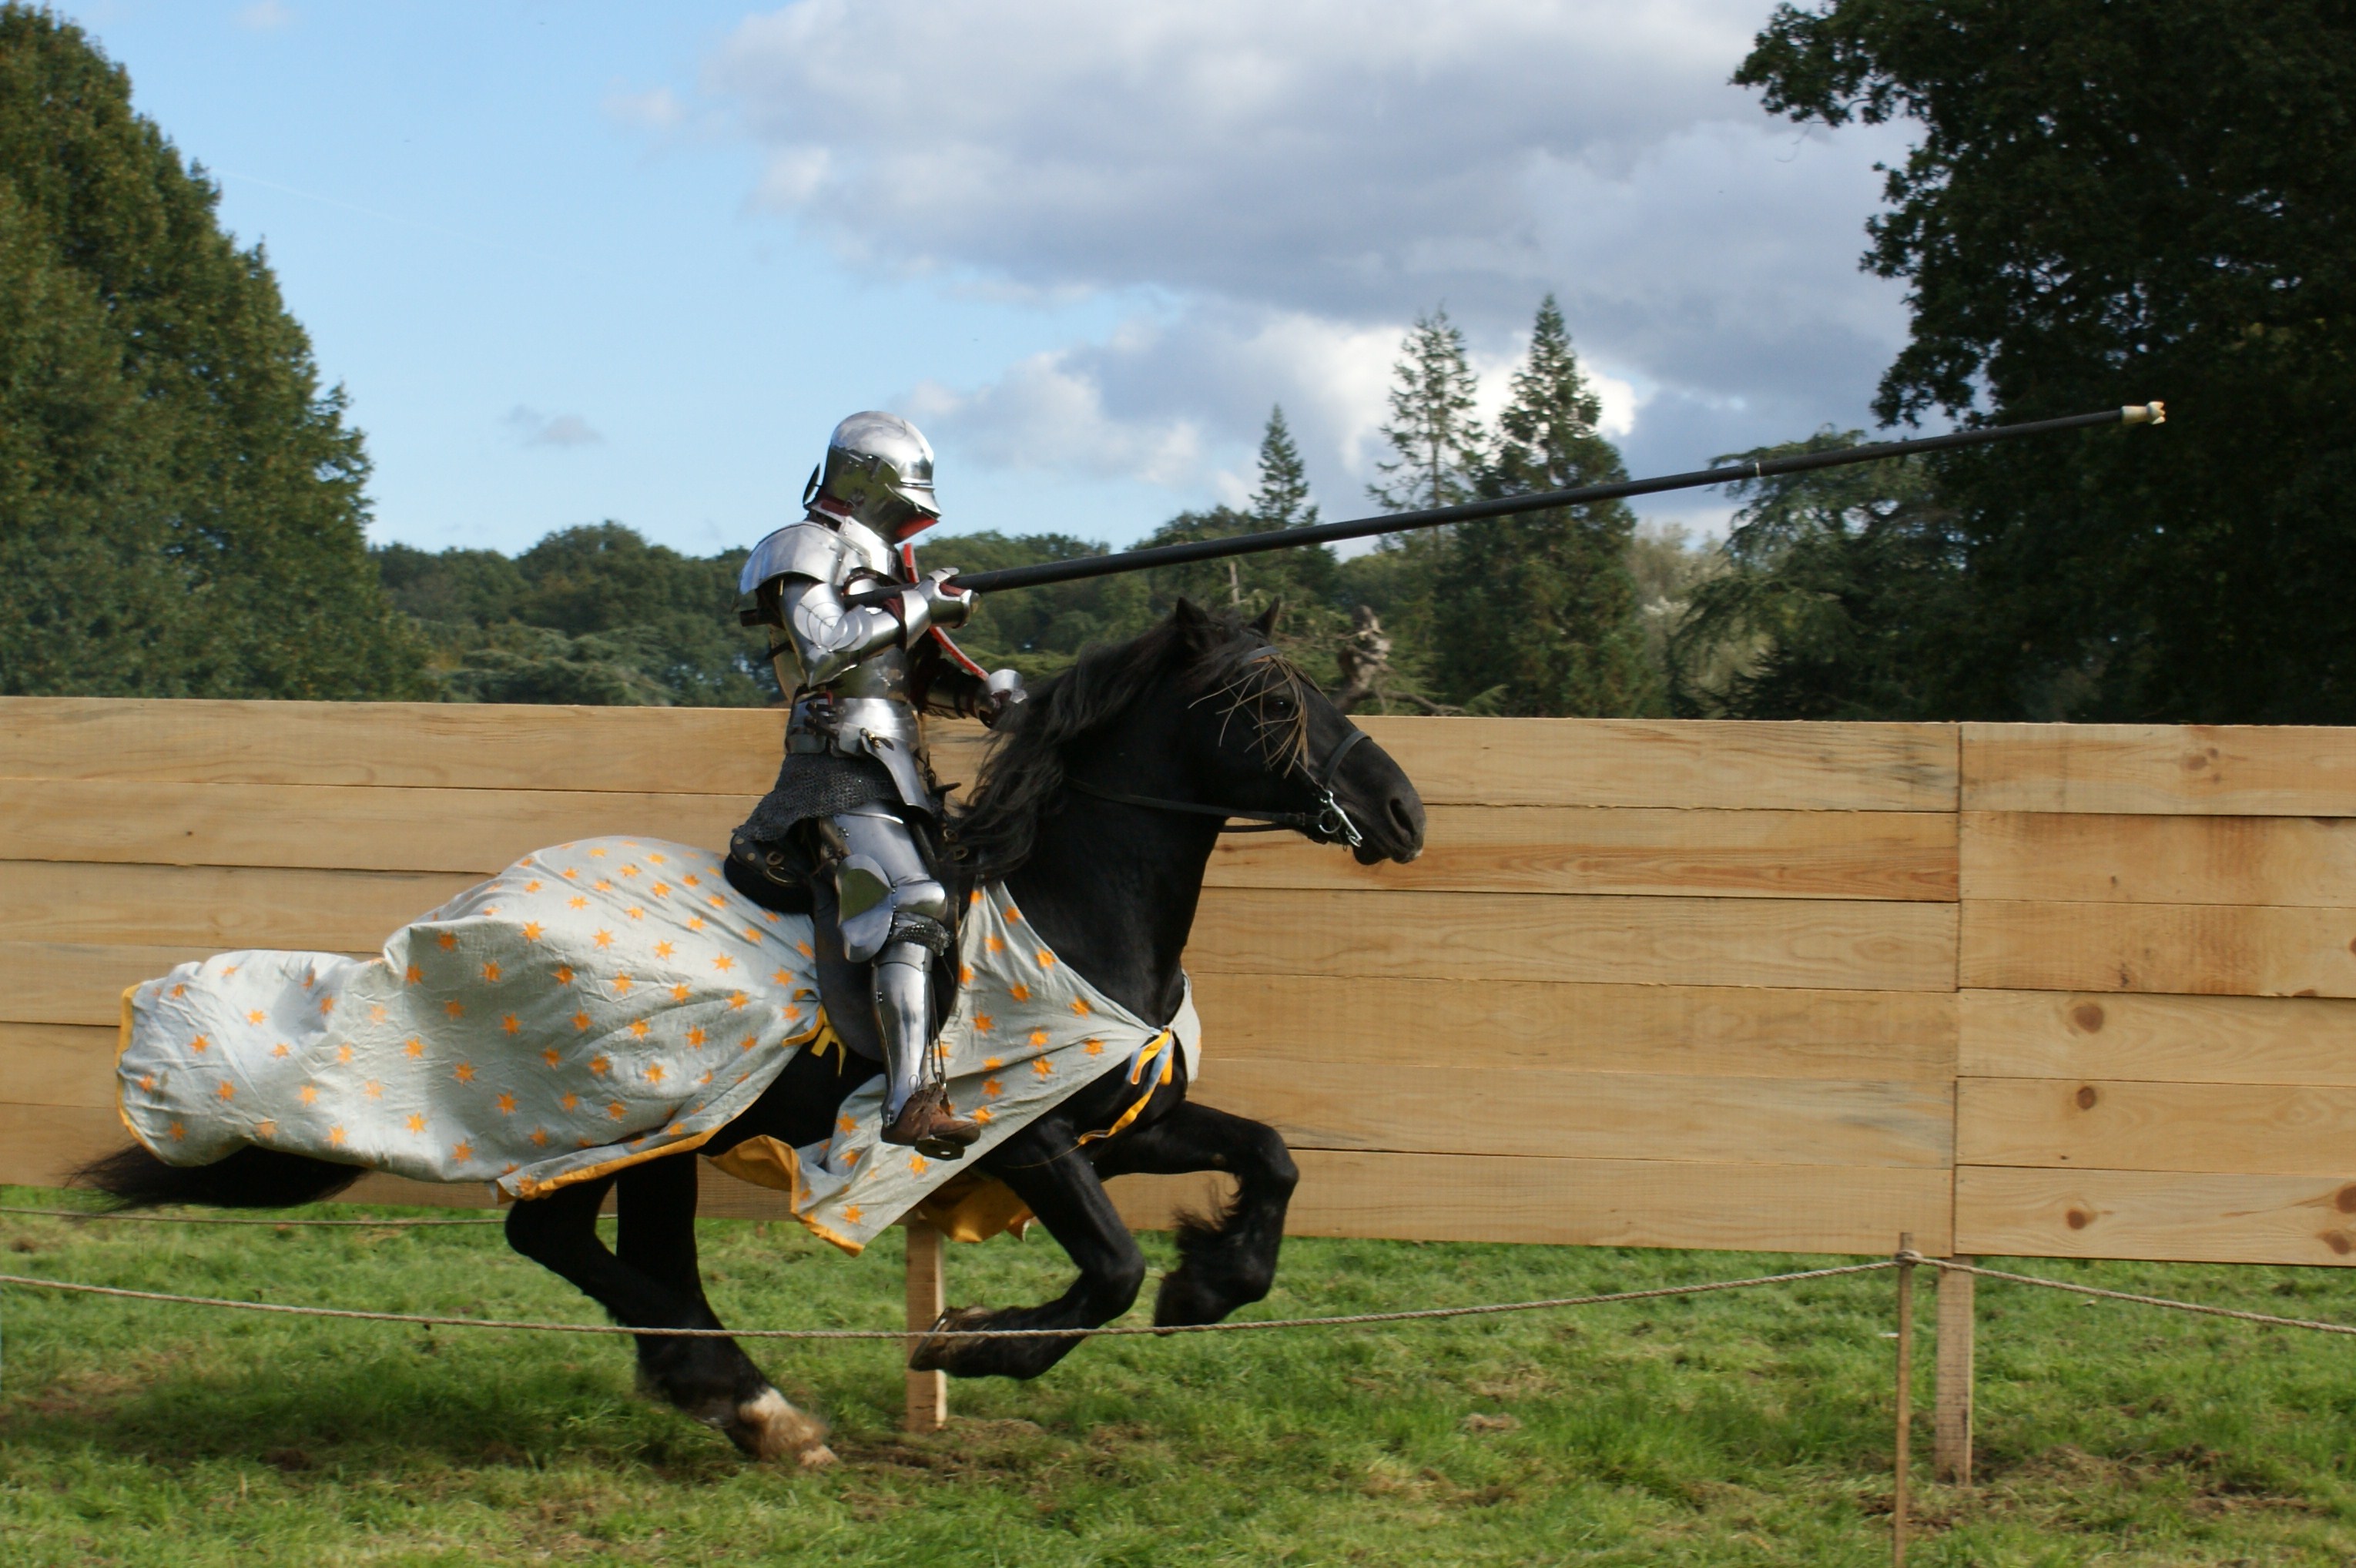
(2144, 413)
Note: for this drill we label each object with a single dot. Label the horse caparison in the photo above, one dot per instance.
(1199, 710)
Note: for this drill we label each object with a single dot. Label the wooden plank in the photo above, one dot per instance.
(1596, 1115)
(41, 1145)
(2259, 1129)
(334, 826)
(2221, 770)
(1407, 1026)
(214, 907)
(1613, 849)
(1831, 943)
(57, 1064)
(2161, 1217)
(2181, 1040)
(76, 983)
(1673, 762)
(648, 751)
(2058, 856)
(2185, 949)
(1619, 1203)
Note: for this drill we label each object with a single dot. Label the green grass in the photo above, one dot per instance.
(1751, 1428)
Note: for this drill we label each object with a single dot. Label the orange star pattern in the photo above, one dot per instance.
(336, 1136)
(992, 1087)
(621, 984)
(552, 1056)
(510, 1024)
(448, 940)
(456, 1010)
(373, 1090)
(695, 1037)
(413, 975)
(638, 1027)
(580, 1020)
(507, 1105)
(308, 1093)
(598, 1065)
(1096, 1048)
(663, 949)
(463, 1072)
(199, 1045)
(417, 1122)
(1080, 1007)
(736, 1000)
(852, 1212)
(564, 973)
(617, 1110)
(571, 1100)
(680, 993)
(1020, 992)
(655, 1073)
(603, 939)
(540, 1137)
(256, 1015)
(227, 1091)
(462, 1151)
(415, 1047)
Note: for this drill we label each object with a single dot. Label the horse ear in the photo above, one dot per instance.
(1191, 619)
(1266, 625)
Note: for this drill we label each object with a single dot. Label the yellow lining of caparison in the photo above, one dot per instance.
(1154, 1048)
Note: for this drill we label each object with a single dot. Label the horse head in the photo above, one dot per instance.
(1261, 743)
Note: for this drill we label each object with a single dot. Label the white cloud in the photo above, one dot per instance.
(265, 16)
(1295, 183)
(658, 108)
(532, 428)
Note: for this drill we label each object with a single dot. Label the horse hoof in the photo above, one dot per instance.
(942, 1345)
(767, 1427)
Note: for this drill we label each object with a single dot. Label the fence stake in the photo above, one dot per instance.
(1951, 1412)
(929, 1393)
(1905, 1397)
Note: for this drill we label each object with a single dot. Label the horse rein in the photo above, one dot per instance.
(1328, 824)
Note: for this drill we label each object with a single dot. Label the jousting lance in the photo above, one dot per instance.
(1071, 571)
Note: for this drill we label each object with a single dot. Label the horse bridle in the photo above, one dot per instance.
(1328, 824)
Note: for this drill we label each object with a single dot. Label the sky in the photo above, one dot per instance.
(574, 260)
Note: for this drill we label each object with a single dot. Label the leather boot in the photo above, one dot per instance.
(928, 1124)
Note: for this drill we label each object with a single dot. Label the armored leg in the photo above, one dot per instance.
(894, 912)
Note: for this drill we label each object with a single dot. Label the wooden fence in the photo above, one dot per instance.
(2022, 989)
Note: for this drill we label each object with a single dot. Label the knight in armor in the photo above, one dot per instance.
(851, 831)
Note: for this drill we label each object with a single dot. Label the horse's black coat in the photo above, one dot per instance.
(1189, 711)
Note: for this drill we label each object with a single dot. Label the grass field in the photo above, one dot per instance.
(1750, 1428)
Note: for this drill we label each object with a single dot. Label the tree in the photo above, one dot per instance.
(180, 504)
(1843, 596)
(2110, 204)
(1282, 499)
(1436, 444)
(1543, 604)
(590, 614)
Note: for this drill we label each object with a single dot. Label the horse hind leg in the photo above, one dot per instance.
(710, 1379)
(1226, 1259)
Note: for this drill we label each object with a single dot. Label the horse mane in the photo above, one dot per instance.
(1022, 773)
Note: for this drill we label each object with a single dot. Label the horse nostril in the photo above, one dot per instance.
(1406, 815)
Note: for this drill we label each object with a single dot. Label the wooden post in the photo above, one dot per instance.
(1905, 1400)
(929, 1393)
(1951, 1411)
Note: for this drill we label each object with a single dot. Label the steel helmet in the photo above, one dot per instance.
(879, 468)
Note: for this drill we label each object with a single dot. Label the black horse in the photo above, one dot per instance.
(1099, 807)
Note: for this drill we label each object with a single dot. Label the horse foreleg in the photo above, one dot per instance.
(654, 1285)
(1064, 1195)
(1225, 1260)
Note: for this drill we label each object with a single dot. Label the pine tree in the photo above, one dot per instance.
(1436, 444)
(1282, 499)
(1543, 604)
(181, 506)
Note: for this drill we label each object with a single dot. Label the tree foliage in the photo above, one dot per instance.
(590, 614)
(1843, 591)
(180, 504)
(1542, 604)
(2110, 204)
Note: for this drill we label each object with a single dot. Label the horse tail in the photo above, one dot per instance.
(250, 1179)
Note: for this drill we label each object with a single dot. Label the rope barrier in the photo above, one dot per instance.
(1345, 1320)
(2268, 1319)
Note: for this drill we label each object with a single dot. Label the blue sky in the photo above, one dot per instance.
(581, 261)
